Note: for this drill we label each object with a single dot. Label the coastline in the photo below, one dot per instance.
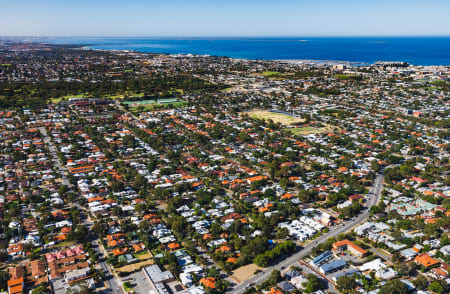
(356, 51)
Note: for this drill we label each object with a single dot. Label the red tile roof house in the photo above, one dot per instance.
(426, 261)
(355, 197)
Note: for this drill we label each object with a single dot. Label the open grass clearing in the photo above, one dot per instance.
(284, 119)
(268, 73)
(313, 130)
(149, 107)
(144, 255)
(307, 131)
(151, 104)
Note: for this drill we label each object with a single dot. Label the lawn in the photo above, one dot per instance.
(284, 119)
(65, 243)
(64, 98)
(144, 255)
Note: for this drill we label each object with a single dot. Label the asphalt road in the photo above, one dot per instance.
(380, 254)
(334, 232)
(54, 153)
(210, 262)
(112, 283)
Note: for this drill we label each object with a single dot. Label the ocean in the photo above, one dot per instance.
(414, 50)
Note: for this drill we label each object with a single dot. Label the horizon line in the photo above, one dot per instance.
(224, 36)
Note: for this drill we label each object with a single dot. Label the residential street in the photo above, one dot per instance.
(291, 260)
(113, 285)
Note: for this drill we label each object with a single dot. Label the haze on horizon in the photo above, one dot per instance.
(225, 18)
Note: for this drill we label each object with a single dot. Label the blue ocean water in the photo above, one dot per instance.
(415, 50)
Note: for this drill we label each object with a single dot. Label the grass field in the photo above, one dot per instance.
(276, 117)
(270, 73)
(145, 102)
(245, 272)
(311, 130)
(227, 89)
(86, 95)
(146, 105)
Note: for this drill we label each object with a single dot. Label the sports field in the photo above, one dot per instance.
(284, 119)
(144, 105)
(146, 102)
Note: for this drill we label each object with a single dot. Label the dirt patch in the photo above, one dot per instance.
(134, 267)
(245, 272)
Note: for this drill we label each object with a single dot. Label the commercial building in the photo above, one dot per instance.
(345, 245)
(332, 266)
(321, 258)
(157, 278)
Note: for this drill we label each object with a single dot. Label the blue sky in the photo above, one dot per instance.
(224, 18)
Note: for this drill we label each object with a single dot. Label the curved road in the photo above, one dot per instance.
(373, 198)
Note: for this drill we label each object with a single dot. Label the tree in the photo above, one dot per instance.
(129, 141)
(42, 289)
(421, 282)
(313, 283)
(374, 165)
(261, 260)
(394, 287)
(346, 283)
(439, 287)
(78, 288)
(396, 257)
(4, 277)
(275, 276)
(282, 233)
(273, 166)
(215, 229)
(116, 211)
(445, 240)
(284, 183)
(62, 190)
(140, 208)
(98, 228)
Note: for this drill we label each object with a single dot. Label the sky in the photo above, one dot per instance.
(231, 18)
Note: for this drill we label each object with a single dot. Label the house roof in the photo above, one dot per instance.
(208, 282)
(426, 260)
(15, 282)
(37, 268)
(348, 243)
